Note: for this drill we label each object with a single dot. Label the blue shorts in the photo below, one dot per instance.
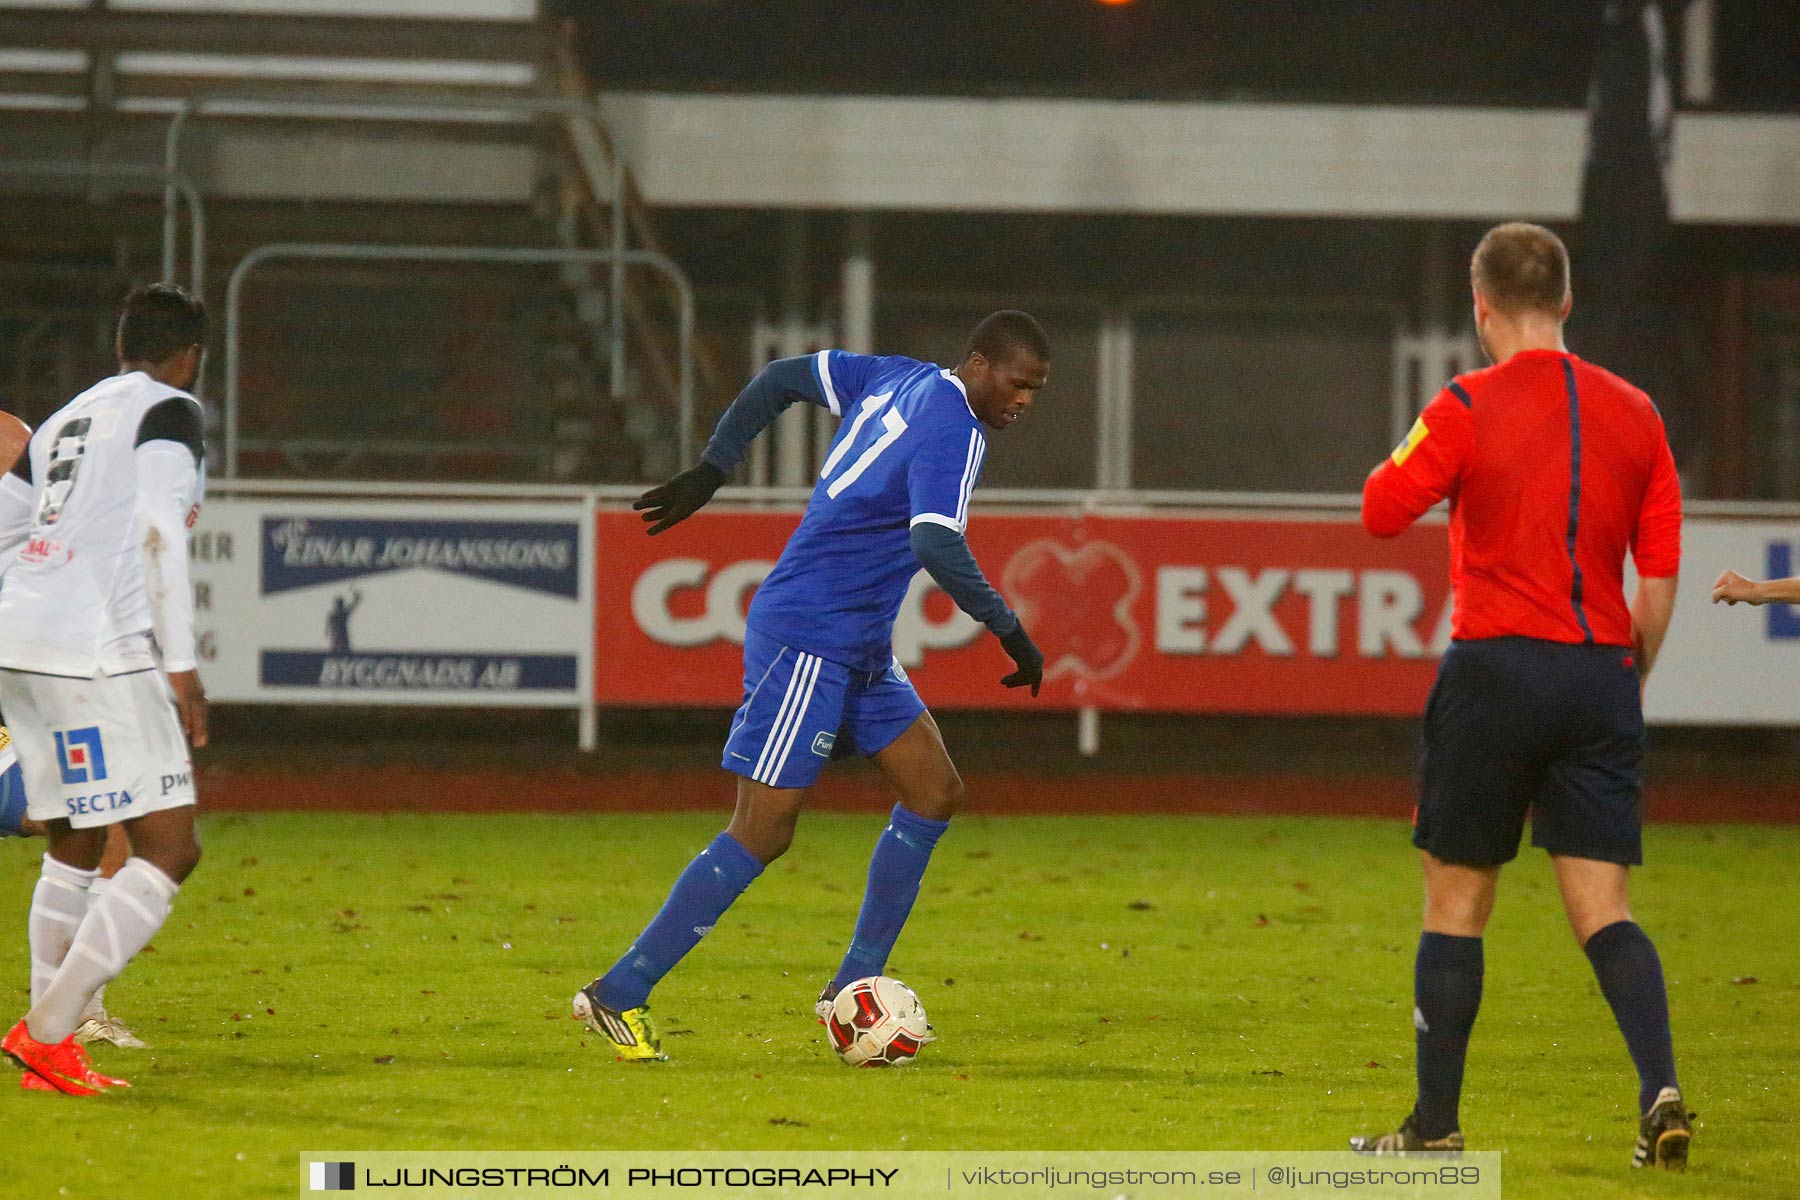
(12, 794)
(1517, 726)
(801, 710)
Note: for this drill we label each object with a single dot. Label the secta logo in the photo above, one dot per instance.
(722, 598)
(80, 756)
(82, 759)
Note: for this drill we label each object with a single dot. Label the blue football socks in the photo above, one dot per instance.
(717, 876)
(895, 870)
(1446, 996)
(1631, 977)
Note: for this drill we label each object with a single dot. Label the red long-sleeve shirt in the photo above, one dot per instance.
(1554, 469)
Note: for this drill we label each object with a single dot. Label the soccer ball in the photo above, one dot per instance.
(877, 1022)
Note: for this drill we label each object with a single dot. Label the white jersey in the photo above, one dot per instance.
(95, 527)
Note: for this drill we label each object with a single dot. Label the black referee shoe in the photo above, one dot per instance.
(1406, 1139)
(1664, 1133)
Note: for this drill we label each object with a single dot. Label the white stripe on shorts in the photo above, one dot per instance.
(799, 719)
(781, 715)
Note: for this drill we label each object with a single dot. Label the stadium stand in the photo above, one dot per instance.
(357, 129)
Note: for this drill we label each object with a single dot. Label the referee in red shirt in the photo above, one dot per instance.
(1554, 469)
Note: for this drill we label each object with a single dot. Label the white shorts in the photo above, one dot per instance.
(97, 751)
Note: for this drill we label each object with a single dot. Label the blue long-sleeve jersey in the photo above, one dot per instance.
(893, 495)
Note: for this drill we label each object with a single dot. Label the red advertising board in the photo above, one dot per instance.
(1165, 613)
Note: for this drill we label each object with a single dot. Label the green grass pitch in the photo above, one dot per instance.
(384, 983)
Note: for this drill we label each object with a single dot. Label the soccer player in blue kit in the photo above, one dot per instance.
(820, 677)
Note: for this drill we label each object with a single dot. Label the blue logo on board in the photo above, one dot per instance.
(1783, 620)
(80, 756)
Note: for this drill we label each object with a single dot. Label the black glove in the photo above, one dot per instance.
(680, 498)
(1027, 657)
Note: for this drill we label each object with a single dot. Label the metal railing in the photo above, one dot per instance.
(402, 107)
(1079, 499)
(174, 183)
(517, 255)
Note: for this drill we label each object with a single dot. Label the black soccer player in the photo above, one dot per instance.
(820, 676)
(98, 666)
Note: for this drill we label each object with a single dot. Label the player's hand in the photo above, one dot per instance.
(680, 498)
(1027, 657)
(1732, 588)
(190, 702)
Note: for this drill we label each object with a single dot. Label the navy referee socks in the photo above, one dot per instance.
(1446, 996)
(1631, 978)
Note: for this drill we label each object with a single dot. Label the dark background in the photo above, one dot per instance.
(1508, 52)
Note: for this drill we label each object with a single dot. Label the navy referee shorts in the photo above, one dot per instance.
(1517, 725)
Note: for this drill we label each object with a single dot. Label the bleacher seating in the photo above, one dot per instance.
(447, 373)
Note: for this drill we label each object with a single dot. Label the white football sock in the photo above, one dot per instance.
(95, 1008)
(119, 924)
(58, 904)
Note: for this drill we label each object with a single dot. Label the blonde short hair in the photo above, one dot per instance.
(1521, 267)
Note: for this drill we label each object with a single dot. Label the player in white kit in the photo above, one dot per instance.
(97, 1025)
(94, 519)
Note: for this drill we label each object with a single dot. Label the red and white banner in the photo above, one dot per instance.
(1165, 613)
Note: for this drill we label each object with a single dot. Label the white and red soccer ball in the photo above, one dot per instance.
(877, 1022)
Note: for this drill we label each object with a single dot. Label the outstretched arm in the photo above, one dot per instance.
(1733, 588)
(814, 378)
(783, 382)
